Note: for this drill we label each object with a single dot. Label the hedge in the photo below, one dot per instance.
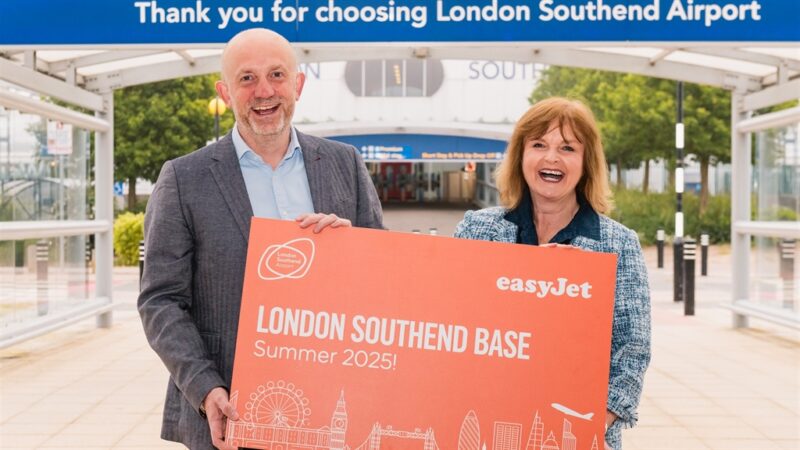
(645, 214)
(128, 231)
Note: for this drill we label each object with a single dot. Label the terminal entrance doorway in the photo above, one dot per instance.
(456, 183)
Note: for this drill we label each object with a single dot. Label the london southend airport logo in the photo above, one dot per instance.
(291, 260)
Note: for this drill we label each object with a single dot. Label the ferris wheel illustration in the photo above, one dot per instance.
(278, 403)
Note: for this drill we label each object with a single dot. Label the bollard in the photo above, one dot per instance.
(660, 246)
(415, 231)
(787, 249)
(433, 231)
(677, 288)
(689, 257)
(42, 294)
(704, 242)
(141, 260)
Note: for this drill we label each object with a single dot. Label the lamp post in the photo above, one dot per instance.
(216, 107)
(678, 242)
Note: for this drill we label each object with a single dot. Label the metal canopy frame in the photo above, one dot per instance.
(757, 74)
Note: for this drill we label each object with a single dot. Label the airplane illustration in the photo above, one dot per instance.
(571, 412)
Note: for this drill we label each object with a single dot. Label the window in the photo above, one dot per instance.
(394, 77)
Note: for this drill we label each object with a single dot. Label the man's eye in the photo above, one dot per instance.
(277, 75)
(247, 78)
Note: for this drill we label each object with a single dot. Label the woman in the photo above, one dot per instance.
(553, 185)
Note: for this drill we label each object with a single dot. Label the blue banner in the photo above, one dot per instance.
(115, 22)
(424, 147)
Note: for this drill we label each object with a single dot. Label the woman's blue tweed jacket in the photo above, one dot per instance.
(630, 337)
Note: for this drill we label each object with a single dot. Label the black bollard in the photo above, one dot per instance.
(433, 231)
(415, 231)
(689, 256)
(42, 261)
(141, 260)
(787, 248)
(660, 246)
(677, 288)
(704, 242)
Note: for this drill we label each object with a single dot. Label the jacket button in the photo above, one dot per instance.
(183, 305)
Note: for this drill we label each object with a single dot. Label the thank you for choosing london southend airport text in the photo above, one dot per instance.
(421, 14)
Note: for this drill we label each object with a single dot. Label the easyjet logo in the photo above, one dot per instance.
(542, 288)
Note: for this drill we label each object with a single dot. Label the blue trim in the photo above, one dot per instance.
(88, 22)
(424, 147)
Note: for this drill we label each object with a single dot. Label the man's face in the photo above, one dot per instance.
(260, 84)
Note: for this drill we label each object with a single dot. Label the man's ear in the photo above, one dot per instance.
(301, 81)
(222, 91)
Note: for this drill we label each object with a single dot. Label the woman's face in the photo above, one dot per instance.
(553, 164)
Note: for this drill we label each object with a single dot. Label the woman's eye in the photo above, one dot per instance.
(567, 148)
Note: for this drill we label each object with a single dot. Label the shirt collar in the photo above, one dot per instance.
(242, 148)
(585, 223)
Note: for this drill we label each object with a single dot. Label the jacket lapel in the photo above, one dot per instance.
(315, 170)
(228, 176)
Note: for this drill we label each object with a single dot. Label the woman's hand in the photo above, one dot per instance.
(610, 418)
(554, 245)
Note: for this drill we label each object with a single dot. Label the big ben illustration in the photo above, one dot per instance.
(339, 425)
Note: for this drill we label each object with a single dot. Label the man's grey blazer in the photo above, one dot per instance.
(196, 230)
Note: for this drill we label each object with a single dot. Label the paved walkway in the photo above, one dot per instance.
(709, 386)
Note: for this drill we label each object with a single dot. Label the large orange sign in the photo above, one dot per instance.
(369, 339)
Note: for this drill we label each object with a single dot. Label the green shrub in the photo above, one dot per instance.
(645, 214)
(128, 231)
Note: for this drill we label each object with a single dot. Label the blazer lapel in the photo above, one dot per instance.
(228, 176)
(315, 170)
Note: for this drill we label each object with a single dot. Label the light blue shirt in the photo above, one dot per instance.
(282, 193)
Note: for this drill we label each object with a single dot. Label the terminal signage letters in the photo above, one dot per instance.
(215, 21)
(367, 339)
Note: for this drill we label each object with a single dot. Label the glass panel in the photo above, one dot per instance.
(43, 169)
(43, 176)
(414, 71)
(42, 277)
(775, 278)
(373, 78)
(352, 76)
(394, 77)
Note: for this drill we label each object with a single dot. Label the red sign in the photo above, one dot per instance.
(369, 339)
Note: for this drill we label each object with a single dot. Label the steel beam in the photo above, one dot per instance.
(47, 85)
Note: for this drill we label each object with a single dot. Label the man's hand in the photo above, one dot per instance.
(218, 411)
(322, 221)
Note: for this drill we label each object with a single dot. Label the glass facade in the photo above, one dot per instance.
(394, 77)
(775, 278)
(44, 176)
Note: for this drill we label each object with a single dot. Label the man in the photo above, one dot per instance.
(198, 222)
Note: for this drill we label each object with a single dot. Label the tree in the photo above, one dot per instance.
(707, 121)
(636, 115)
(160, 121)
(636, 122)
(632, 111)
